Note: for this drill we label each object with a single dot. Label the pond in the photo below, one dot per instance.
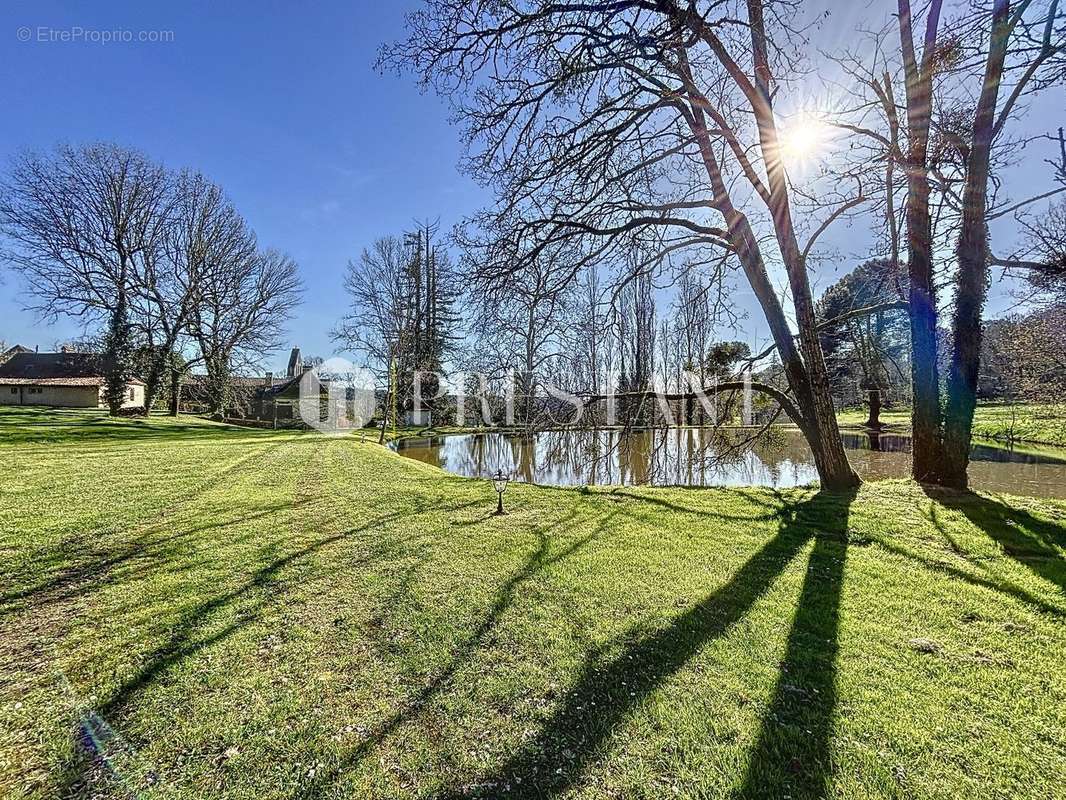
(702, 457)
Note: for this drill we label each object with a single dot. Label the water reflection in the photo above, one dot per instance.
(702, 457)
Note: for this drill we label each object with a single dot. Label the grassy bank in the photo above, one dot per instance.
(1036, 423)
(189, 610)
(1040, 424)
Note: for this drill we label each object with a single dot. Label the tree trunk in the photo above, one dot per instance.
(807, 376)
(152, 382)
(874, 419)
(384, 420)
(117, 356)
(834, 469)
(389, 400)
(815, 404)
(817, 415)
(217, 386)
(925, 377)
(813, 394)
(175, 391)
(151, 389)
(972, 252)
(162, 357)
(921, 310)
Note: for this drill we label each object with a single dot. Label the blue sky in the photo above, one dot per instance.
(279, 103)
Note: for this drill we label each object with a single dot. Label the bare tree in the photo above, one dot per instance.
(1007, 59)
(204, 234)
(972, 251)
(379, 325)
(589, 334)
(378, 287)
(523, 323)
(433, 294)
(693, 321)
(1040, 258)
(1024, 357)
(964, 82)
(402, 311)
(84, 223)
(633, 318)
(240, 309)
(625, 130)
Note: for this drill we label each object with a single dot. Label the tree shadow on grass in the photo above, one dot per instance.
(88, 558)
(791, 757)
(183, 640)
(90, 565)
(605, 693)
(1036, 543)
(650, 501)
(181, 643)
(504, 598)
(996, 584)
(769, 498)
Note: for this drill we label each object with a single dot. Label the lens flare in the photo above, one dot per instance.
(804, 140)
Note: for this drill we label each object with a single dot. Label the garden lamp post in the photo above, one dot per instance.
(499, 483)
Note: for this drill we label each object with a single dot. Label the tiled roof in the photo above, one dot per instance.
(240, 381)
(12, 351)
(51, 381)
(248, 382)
(54, 369)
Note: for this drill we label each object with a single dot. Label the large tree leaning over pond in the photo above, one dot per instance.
(634, 126)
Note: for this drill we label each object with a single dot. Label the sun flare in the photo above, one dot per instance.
(803, 140)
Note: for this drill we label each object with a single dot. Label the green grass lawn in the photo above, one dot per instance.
(1040, 424)
(192, 611)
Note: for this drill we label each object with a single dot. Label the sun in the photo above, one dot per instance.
(804, 139)
(801, 141)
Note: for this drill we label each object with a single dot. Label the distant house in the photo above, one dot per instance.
(266, 399)
(195, 396)
(13, 351)
(277, 402)
(65, 380)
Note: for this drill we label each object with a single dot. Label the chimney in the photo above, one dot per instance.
(306, 368)
(268, 381)
(294, 363)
